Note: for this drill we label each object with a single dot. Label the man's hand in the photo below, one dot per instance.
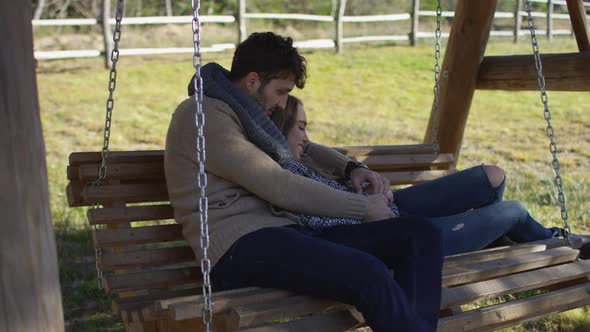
(378, 209)
(378, 184)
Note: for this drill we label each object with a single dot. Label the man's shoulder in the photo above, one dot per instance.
(210, 106)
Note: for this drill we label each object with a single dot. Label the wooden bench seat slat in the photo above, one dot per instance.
(141, 301)
(109, 238)
(412, 177)
(157, 279)
(514, 283)
(392, 162)
(130, 214)
(290, 307)
(330, 322)
(491, 254)
(226, 301)
(502, 315)
(145, 258)
(490, 269)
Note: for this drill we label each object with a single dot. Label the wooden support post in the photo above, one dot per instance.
(339, 26)
(550, 7)
(242, 21)
(107, 35)
(29, 276)
(415, 22)
(517, 19)
(579, 23)
(466, 46)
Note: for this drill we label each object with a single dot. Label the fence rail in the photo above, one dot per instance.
(243, 17)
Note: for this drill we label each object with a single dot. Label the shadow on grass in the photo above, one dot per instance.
(86, 307)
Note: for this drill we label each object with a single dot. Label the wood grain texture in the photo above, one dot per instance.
(29, 279)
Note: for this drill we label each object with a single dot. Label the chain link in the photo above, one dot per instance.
(110, 104)
(435, 106)
(207, 313)
(549, 131)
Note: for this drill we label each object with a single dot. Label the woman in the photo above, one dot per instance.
(466, 206)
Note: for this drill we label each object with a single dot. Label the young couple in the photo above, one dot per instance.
(279, 216)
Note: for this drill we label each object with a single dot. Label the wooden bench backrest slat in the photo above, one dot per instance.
(146, 258)
(127, 171)
(81, 158)
(386, 149)
(158, 279)
(412, 177)
(393, 162)
(127, 214)
(109, 238)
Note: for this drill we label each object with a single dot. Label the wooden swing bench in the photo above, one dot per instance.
(154, 277)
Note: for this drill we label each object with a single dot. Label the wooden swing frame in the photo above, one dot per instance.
(152, 272)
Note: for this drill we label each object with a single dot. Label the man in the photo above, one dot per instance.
(254, 240)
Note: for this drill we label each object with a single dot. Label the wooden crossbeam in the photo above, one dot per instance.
(562, 72)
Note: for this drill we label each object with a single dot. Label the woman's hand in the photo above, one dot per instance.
(378, 184)
(378, 208)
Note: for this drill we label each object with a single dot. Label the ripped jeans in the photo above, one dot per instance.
(469, 212)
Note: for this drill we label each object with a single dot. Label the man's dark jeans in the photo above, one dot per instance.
(350, 264)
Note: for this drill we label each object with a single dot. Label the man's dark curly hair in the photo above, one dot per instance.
(271, 56)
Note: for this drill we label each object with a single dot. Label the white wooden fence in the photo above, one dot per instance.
(243, 17)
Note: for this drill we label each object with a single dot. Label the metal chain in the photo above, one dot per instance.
(201, 157)
(549, 130)
(435, 106)
(110, 104)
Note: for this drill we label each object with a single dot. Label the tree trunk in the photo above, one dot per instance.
(29, 277)
(39, 10)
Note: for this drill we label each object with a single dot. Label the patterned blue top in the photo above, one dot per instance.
(319, 222)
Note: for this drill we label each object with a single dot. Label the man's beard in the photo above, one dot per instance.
(263, 101)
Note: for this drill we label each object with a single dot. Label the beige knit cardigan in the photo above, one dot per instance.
(247, 190)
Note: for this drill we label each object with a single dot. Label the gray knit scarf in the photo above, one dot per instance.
(259, 128)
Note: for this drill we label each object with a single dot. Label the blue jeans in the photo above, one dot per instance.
(469, 212)
(347, 263)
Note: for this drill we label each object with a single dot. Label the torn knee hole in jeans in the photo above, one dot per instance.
(458, 227)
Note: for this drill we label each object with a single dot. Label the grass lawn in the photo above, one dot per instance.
(373, 94)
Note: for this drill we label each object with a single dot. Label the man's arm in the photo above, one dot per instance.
(232, 156)
(336, 163)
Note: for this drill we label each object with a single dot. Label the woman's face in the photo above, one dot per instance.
(297, 136)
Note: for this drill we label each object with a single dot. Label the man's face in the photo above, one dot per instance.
(273, 95)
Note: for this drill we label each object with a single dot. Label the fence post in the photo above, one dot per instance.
(549, 19)
(415, 17)
(106, 32)
(339, 33)
(242, 20)
(517, 19)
